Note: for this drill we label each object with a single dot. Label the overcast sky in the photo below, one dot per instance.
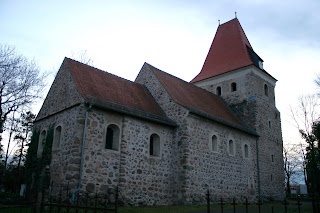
(174, 36)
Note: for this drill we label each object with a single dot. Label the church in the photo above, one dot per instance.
(162, 140)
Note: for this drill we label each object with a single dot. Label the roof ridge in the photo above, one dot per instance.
(228, 21)
(188, 83)
(100, 70)
(166, 72)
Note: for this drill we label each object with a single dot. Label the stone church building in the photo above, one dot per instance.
(163, 140)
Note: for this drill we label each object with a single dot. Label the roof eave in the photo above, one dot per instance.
(224, 122)
(106, 105)
(252, 64)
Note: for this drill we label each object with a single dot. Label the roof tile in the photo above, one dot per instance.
(196, 99)
(95, 84)
(228, 51)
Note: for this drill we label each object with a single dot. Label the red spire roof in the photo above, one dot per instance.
(227, 52)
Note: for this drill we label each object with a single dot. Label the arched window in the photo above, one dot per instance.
(266, 90)
(233, 87)
(218, 91)
(154, 146)
(57, 137)
(246, 151)
(41, 143)
(269, 123)
(231, 147)
(112, 137)
(214, 144)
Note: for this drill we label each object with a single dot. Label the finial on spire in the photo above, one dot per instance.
(235, 13)
(219, 21)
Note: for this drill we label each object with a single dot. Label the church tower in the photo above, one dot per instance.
(235, 72)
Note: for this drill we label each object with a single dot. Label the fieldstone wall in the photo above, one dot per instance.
(178, 114)
(62, 94)
(173, 110)
(186, 167)
(259, 112)
(62, 107)
(148, 179)
(65, 162)
(101, 166)
(142, 179)
(225, 175)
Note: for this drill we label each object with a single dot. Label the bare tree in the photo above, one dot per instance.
(24, 134)
(12, 121)
(317, 81)
(82, 56)
(306, 112)
(304, 116)
(20, 82)
(294, 164)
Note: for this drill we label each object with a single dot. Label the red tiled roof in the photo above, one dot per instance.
(110, 90)
(228, 51)
(196, 99)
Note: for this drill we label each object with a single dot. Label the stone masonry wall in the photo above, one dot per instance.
(65, 162)
(62, 107)
(62, 94)
(265, 119)
(148, 179)
(197, 169)
(142, 179)
(175, 112)
(223, 174)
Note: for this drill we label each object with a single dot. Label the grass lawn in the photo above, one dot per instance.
(266, 208)
(161, 209)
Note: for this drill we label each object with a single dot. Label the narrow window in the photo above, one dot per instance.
(42, 141)
(246, 151)
(272, 158)
(231, 147)
(218, 91)
(214, 144)
(154, 147)
(112, 137)
(271, 178)
(233, 87)
(57, 137)
(269, 124)
(266, 91)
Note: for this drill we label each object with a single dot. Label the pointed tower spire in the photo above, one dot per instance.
(229, 51)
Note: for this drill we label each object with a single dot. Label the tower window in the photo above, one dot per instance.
(261, 65)
(266, 90)
(246, 151)
(231, 147)
(154, 146)
(233, 87)
(272, 158)
(214, 144)
(112, 137)
(218, 91)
